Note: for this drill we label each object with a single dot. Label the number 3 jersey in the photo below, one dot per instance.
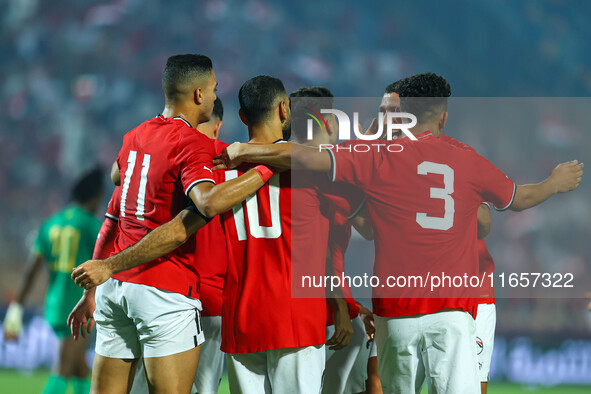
(159, 162)
(422, 202)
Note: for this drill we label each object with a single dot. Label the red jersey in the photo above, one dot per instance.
(160, 161)
(259, 312)
(487, 266)
(344, 201)
(211, 257)
(485, 261)
(422, 201)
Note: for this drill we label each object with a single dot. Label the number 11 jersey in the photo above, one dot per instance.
(160, 161)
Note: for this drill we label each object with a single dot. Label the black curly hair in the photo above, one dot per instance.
(424, 95)
(308, 98)
(394, 87)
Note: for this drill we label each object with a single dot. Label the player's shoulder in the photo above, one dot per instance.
(456, 143)
(188, 137)
(219, 146)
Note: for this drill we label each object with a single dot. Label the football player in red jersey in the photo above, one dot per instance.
(153, 309)
(211, 261)
(274, 342)
(397, 191)
(346, 369)
(485, 321)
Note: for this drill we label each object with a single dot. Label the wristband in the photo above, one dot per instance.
(264, 172)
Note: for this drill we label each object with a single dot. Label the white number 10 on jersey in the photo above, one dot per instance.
(252, 210)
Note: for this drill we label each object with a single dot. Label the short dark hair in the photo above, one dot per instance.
(394, 87)
(424, 95)
(218, 109)
(258, 97)
(88, 186)
(180, 71)
(310, 98)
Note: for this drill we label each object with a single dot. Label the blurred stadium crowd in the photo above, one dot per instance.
(76, 75)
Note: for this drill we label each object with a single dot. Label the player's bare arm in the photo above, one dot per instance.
(343, 328)
(368, 321)
(484, 220)
(81, 319)
(362, 223)
(13, 321)
(283, 156)
(212, 200)
(209, 199)
(157, 243)
(115, 174)
(564, 178)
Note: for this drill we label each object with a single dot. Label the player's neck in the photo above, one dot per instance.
(316, 141)
(420, 128)
(264, 134)
(174, 111)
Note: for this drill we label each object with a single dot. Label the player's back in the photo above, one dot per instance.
(159, 162)
(259, 312)
(423, 203)
(65, 240)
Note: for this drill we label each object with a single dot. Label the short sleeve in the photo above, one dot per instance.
(114, 205)
(195, 159)
(345, 198)
(41, 244)
(353, 163)
(495, 186)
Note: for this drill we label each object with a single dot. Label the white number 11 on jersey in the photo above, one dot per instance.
(252, 210)
(141, 193)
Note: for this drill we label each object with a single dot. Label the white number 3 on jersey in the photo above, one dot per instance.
(447, 221)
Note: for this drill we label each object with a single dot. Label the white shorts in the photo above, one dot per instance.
(289, 370)
(486, 321)
(134, 320)
(440, 347)
(346, 369)
(211, 361)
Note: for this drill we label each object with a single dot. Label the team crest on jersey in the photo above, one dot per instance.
(479, 345)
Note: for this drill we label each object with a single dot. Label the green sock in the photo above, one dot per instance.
(55, 385)
(81, 385)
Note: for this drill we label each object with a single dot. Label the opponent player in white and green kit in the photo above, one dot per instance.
(64, 241)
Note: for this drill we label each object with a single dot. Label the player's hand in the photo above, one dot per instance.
(373, 128)
(343, 328)
(91, 274)
(13, 322)
(229, 159)
(567, 176)
(80, 320)
(368, 320)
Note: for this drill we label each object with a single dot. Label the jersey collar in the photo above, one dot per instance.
(176, 118)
